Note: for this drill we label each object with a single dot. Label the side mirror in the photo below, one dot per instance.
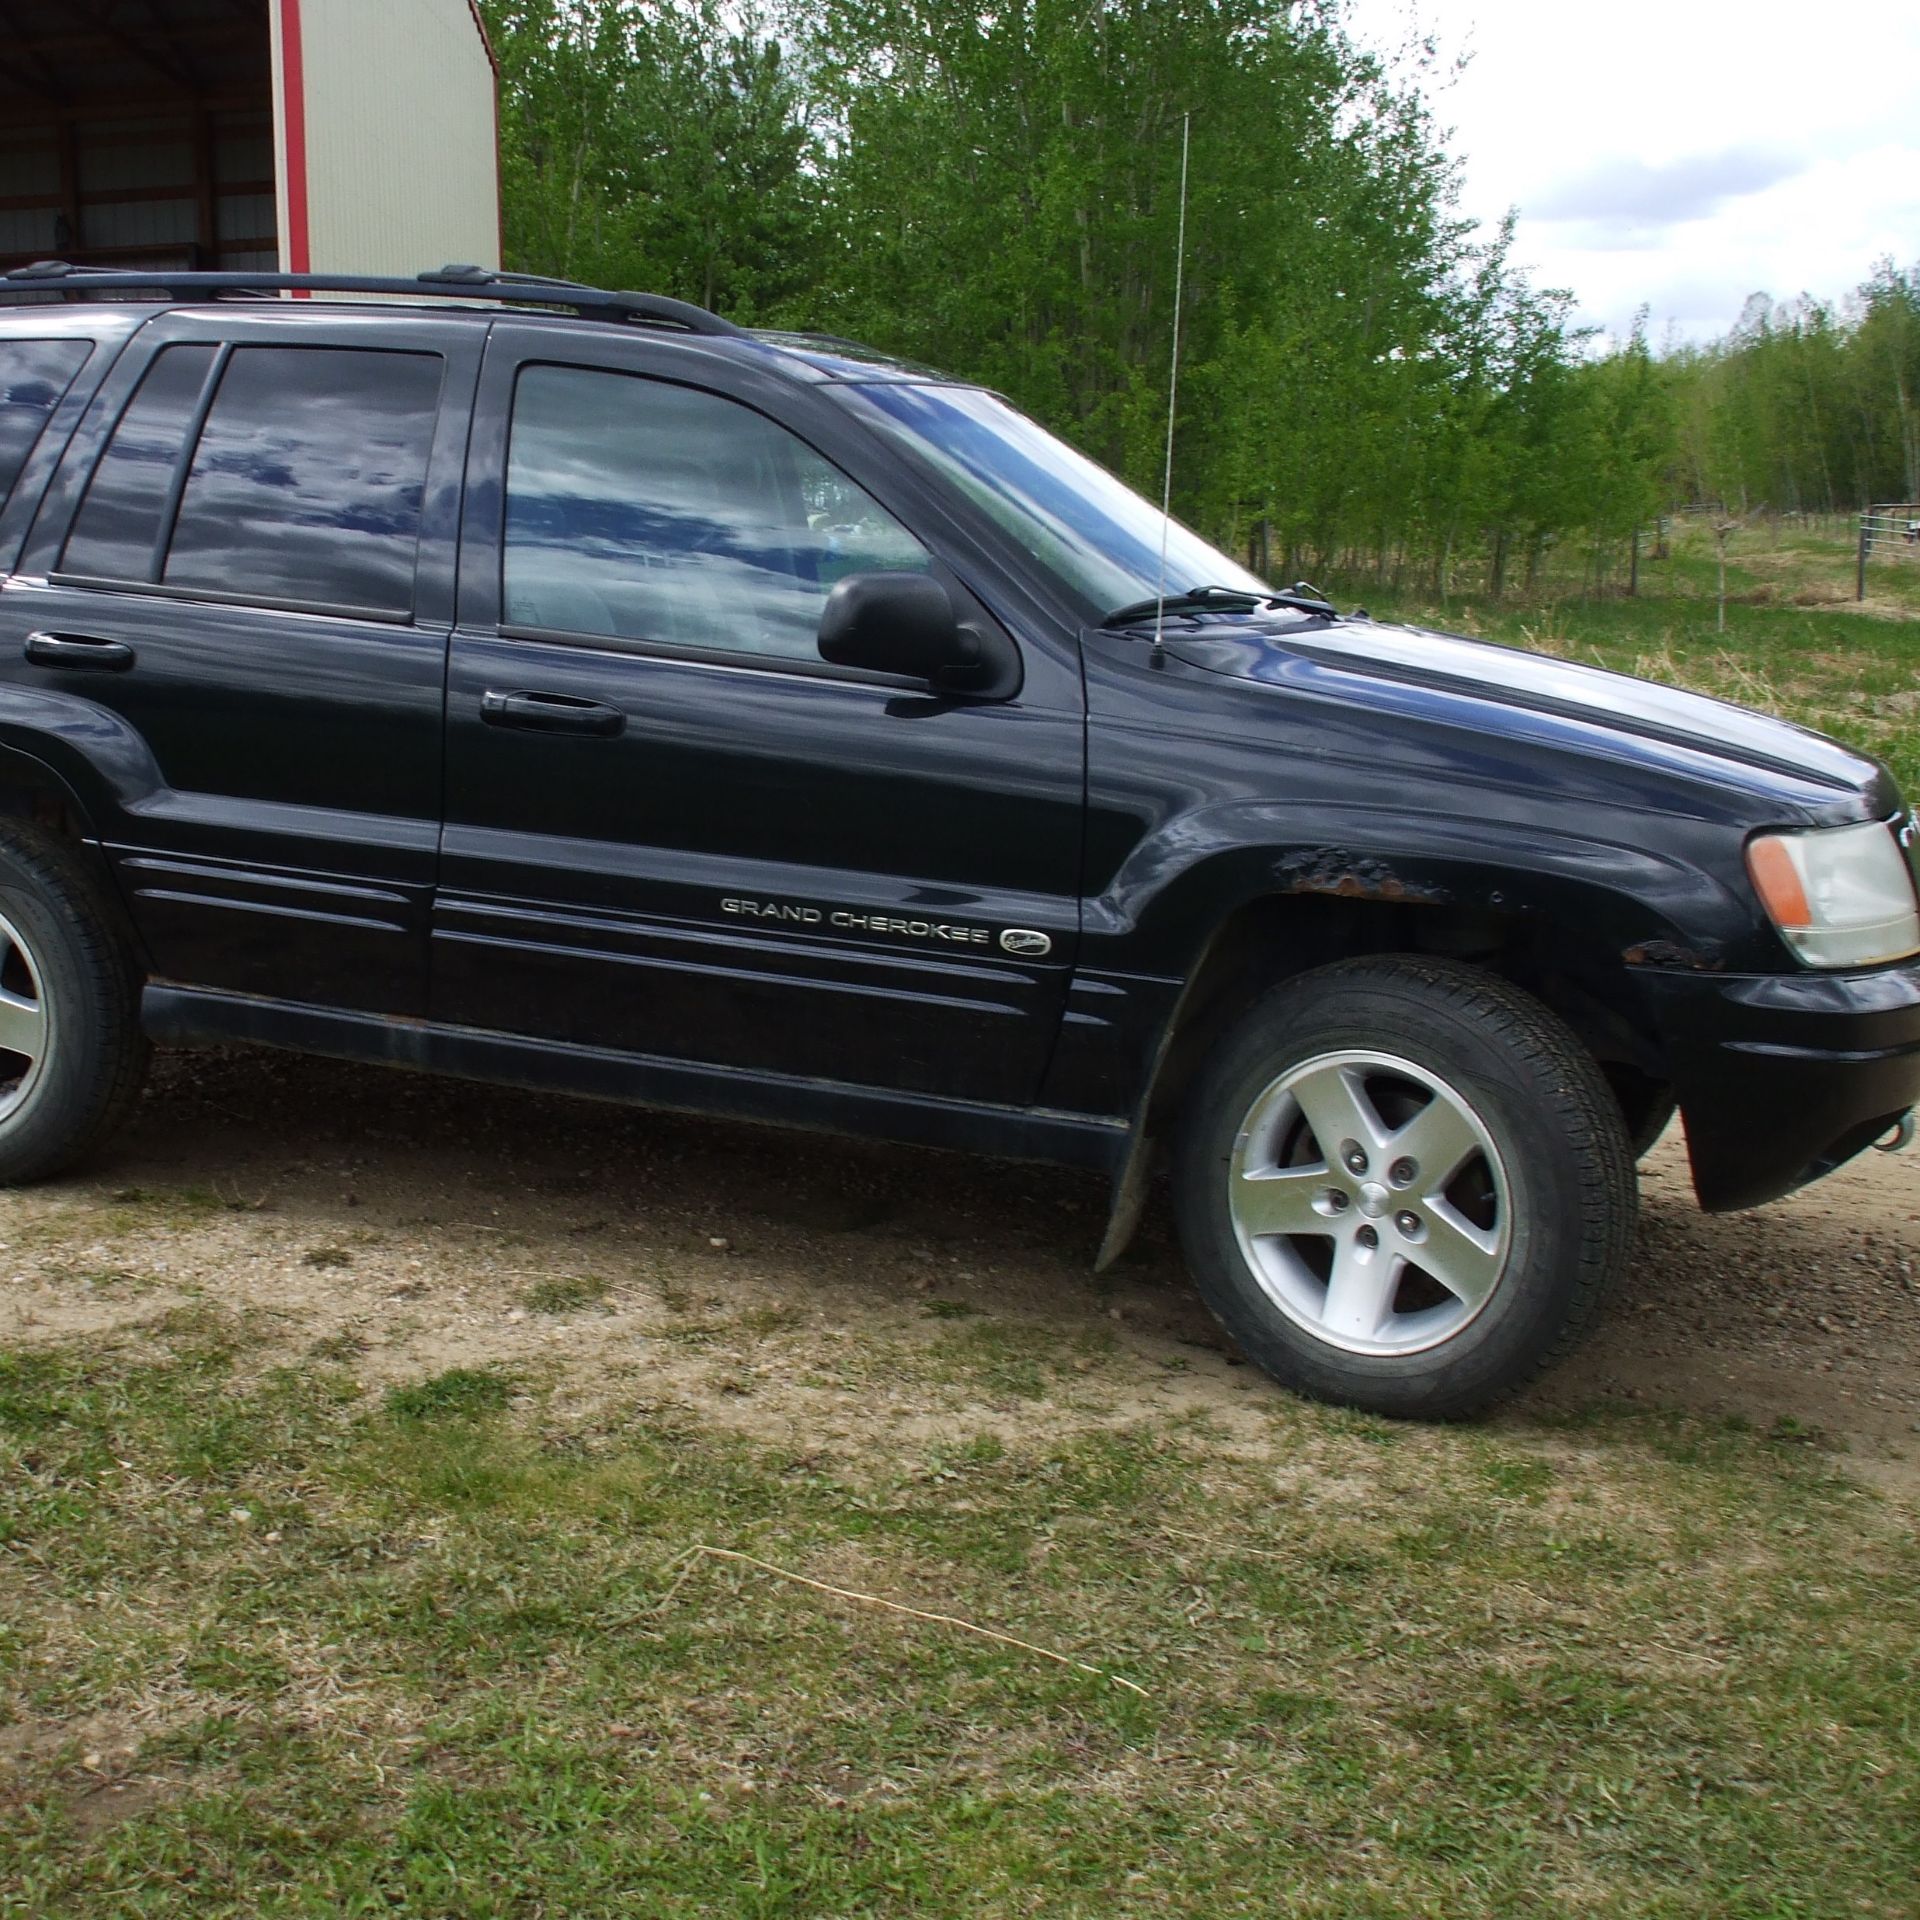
(901, 623)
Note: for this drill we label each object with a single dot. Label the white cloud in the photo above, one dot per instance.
(1682, 154)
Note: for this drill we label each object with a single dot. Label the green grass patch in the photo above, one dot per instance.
(461, 1393)
(565, 1293)
(417, 1653)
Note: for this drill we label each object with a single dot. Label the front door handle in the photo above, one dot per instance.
(551, 713)
(80, 650)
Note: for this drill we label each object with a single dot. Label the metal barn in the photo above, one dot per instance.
(304, 135)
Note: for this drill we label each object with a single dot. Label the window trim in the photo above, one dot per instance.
(160, 590)
(216, 377)
(787, 666)
(632, 646)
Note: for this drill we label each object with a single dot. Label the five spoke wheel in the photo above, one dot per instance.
(1370, 1202)
(23, 1020)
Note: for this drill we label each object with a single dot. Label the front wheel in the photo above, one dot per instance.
(1403, 1185)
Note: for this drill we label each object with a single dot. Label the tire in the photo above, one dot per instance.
(72, 1056)
(1523, 1211)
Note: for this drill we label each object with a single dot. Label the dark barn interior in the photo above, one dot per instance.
(137, 133)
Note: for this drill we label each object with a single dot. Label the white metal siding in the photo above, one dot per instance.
(401, 147)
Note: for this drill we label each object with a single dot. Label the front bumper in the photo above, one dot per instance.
(1782, 1077)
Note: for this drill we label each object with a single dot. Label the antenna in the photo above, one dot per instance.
(1173, 385)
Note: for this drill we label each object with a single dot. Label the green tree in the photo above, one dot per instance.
(1805, 407)
(1364, 385)
(658, 146)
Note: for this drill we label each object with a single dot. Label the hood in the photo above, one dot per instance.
(1300, 654)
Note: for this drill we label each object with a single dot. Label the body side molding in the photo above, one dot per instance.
(186, 1016)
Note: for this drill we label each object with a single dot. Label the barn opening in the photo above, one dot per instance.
(336, 135)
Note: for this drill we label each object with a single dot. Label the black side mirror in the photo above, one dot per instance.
(902, 623)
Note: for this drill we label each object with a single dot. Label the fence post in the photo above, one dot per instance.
(1860, 569)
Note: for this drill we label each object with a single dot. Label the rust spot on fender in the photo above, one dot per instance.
(1672, 953)
(1334, 870)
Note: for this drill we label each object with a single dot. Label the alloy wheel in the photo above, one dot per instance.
(26, 1026)
(1370, 1202)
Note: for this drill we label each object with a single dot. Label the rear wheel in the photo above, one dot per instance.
(72, 1057)
(1403, 1185)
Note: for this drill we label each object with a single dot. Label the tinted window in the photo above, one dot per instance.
(118, 526)
(647, 511)
(34, 374)
(308, 479)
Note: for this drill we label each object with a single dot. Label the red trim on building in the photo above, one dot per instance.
(486, 39)
(499, 198)
(294, 109)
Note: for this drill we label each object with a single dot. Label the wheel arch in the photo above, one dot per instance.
(35, 796)
(95, 755)
(31, 792)
(1570, 939)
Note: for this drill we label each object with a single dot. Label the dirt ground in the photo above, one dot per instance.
(832, 1295)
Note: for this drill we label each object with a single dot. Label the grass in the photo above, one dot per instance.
(565, 1293)
(278, 1644)
(1794, 645)
(460, 1393)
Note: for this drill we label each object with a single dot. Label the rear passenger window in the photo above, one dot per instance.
(305, 486)
(34, 377)
(308, 480)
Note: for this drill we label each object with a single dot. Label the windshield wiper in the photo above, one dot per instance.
(1299, 596)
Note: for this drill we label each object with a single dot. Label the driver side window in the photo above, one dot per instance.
(640, 510)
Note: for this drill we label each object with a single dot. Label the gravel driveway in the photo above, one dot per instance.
(797, 1285)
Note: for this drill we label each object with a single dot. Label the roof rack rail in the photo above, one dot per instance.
(454, 282)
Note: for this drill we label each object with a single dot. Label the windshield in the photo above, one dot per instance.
(1091, 531)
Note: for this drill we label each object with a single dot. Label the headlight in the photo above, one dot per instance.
(1841, 896)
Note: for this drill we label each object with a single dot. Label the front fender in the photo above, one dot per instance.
(1681, 909)
(1687, 904)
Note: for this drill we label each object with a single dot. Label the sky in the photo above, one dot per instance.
(1682, 154)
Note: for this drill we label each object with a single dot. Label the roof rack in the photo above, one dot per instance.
(444, 283)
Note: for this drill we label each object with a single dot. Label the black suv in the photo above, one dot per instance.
(569, 688)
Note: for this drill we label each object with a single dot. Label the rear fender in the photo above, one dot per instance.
(101, 760)
(35, 790)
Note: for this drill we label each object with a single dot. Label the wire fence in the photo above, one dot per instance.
(1889, 531)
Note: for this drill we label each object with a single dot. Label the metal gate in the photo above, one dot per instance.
(1890, 531)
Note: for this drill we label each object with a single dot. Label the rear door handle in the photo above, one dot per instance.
(551, 713)
(80, 650)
